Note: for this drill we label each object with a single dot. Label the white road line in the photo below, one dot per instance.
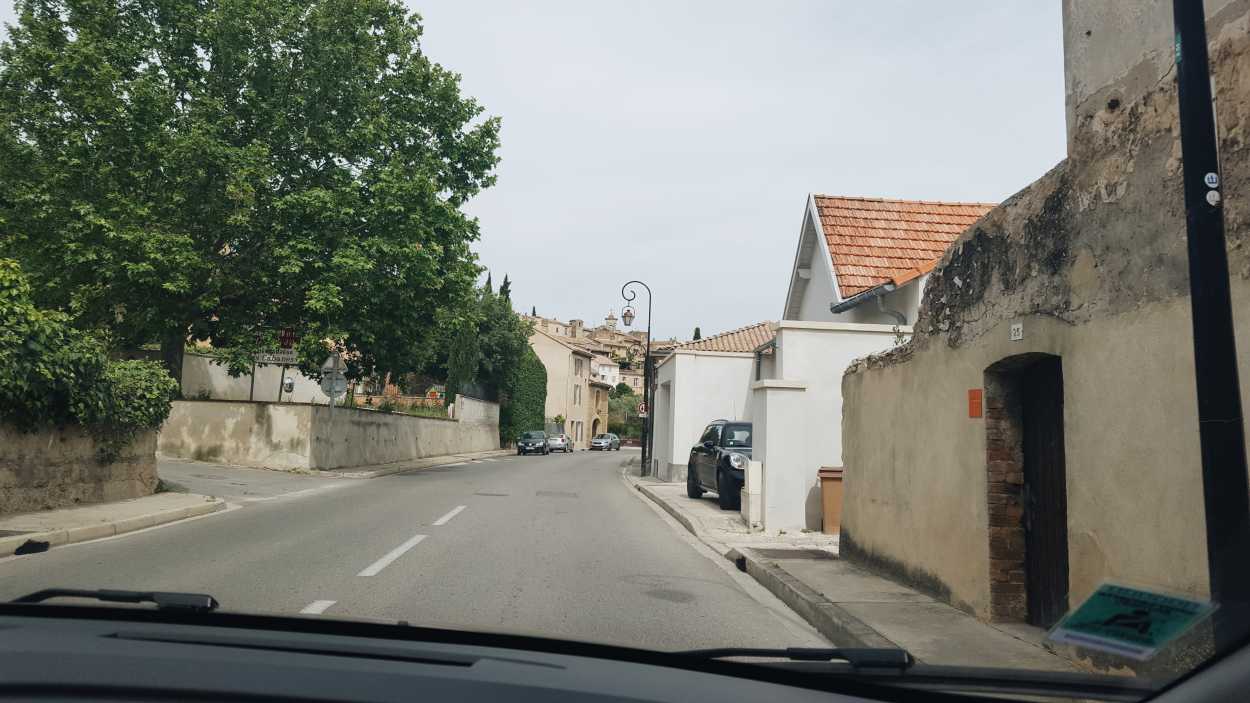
(447, 518)
(377, 566)
(490, 460)
(457, 464)
(317, 607)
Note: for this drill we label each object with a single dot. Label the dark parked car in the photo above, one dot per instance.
(606, 442)
(532, 443)
(719, 461)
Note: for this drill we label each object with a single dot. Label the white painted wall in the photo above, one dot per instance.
(803, 430)
(200, 375)
(697, 387)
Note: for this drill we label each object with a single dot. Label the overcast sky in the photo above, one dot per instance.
(676, 142)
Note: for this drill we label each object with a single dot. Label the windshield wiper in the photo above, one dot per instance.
(164, 600)
(874, 658)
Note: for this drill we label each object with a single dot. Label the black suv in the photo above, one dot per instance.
(719, 461)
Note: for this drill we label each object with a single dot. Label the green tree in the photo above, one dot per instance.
(463, 358)
(533, 311)
(505, 289)
(621, 389)
(697, 334)
(220, 170)
(623, 416)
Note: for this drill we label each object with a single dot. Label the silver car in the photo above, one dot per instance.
(605, 442)
(559, 443)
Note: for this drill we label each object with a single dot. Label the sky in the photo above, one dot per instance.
(676, 142)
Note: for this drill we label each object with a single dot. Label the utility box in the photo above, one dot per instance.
(830, 498)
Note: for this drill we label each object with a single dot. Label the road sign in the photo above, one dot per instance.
(333, 364)
(642, 408)
(286, 338)
(282, 356)
(1129, 622)
(333, 384)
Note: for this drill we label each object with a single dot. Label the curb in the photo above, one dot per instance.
(683, 519)
(84, 533)
(832, 621)
(409, 465)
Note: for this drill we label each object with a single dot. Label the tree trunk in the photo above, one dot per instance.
(173, 344)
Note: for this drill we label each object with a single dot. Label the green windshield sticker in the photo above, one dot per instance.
(1129, 621)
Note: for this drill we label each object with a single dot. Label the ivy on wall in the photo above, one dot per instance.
(522, 408)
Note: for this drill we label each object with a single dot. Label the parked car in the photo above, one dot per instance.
(532, 443)
(719, 461)
(559, 442)
(606, 442)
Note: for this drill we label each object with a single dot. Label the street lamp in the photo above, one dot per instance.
(627, 315)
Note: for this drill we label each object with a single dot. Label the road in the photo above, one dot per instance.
(555, 545)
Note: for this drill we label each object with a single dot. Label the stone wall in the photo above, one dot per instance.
(291, 436)
(58, 468)
(1091, 261)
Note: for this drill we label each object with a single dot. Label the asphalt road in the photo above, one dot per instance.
(554, 545)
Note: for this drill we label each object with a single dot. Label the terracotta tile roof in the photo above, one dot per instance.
(743, 339)
(873, 241)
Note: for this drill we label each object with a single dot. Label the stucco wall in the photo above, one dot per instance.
(1091, 259)
(702, 386)
(58, 468)
(201, 376)
(289, 436)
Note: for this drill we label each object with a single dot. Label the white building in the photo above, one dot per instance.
(700, 381)
(855, 288)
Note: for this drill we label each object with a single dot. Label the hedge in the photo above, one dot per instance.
(521, 410)
(52, 374)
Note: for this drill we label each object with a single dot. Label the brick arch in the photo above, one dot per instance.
(1004, 465)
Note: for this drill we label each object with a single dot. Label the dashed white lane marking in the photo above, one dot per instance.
(317, 607)
(447, 518)
(490, 460)
(377, 566)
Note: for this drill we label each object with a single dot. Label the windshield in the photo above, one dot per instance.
(286, 281)
(736, 436)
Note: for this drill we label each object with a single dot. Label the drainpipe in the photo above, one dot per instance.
(856, 300)
(759, 356)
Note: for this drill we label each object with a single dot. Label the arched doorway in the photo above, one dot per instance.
(594, 427)
(1026, 489)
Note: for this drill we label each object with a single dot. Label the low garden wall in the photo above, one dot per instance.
(290, 436)
(56, 468)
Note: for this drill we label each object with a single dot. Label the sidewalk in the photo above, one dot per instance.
(87, 522)
(850, 606)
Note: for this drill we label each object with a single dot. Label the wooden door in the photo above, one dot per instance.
(1045, 493)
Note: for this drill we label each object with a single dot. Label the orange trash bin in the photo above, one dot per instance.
(830, 499)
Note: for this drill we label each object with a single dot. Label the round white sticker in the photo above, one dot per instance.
(1212, 180)
(1213, 197)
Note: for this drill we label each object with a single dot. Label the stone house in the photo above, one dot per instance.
(568, 384)
(1050, 378)
(596, 410)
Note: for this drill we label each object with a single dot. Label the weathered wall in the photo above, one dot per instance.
(1091, 259)
(58, 468)
(289, 436)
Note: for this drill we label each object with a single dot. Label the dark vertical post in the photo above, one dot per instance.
(251, 389)
(1220, 426)
(628, 296)
(281, 382)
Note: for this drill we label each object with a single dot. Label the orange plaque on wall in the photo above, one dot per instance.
(974, 402)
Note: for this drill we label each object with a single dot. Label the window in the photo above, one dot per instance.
(577, 395)
(711, 434)
(737, 436)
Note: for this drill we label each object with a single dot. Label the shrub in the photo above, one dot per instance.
(52, 374)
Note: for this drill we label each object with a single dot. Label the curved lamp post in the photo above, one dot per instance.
(627, 315)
